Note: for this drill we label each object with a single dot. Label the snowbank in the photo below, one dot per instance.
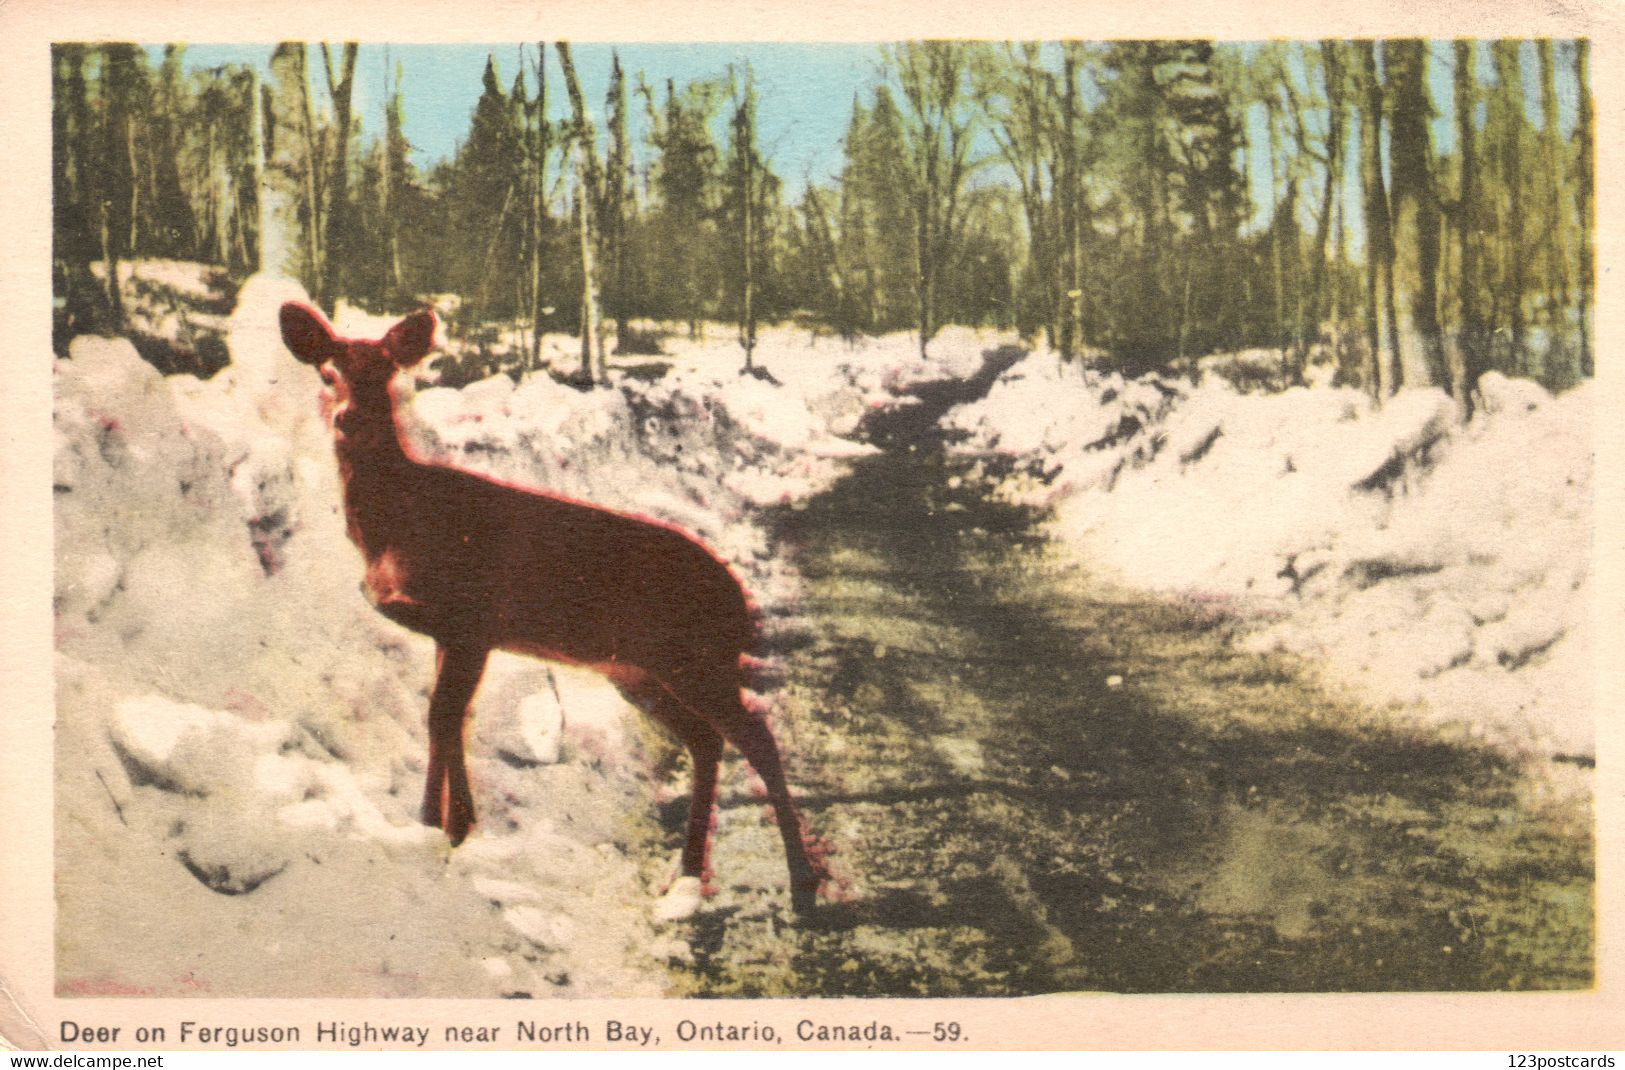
(1426, 561)
(240, 736)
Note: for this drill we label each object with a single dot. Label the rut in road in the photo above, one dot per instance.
(1036, 783)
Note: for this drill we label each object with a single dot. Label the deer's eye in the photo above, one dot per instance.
(329, 375)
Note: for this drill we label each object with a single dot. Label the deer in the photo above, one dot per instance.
(477, 565)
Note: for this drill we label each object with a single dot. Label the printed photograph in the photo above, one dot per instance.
(913, 518)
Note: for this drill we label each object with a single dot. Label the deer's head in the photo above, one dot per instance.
(357, 371)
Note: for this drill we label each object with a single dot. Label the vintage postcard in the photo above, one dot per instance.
(603, 526)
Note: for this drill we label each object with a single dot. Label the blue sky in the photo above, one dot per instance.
(806, 89)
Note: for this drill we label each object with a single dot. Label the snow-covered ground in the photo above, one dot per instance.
(240, 739)
(1424, 561)
(240, 736)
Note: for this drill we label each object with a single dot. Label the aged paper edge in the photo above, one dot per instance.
(29, 1011)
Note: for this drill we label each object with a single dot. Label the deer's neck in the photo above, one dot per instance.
(373, 468)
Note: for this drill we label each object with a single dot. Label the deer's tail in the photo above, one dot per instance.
(759, 675)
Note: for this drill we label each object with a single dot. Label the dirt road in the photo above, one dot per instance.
(1036, 783)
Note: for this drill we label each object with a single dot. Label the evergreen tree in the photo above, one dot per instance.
(482, 199)
(1168, 146)
(878, 220)
(683, 250)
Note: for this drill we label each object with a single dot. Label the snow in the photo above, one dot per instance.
(240, 736)
(1434, 564)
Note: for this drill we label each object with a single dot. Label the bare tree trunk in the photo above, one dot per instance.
(618, 200)
(591, 326)
(315, 260)
(592, 333)
(255, 260)
(1509, 80)
(743, 161)
(1415, 207)
(541, 146)
(219, 197)
(338, 181)
(133, 245)
(1381, 333)
(1321, 307)
(115, 300)
(1469, 362)
(286, 183)
(747, 319)
(1559, 372)
(1279, 208)
(489, 261)
(1583, 182)
(931, 74)
(1070, 287)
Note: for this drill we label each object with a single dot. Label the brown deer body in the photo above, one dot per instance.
(478, 565)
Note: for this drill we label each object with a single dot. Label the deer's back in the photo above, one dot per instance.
(457, 555)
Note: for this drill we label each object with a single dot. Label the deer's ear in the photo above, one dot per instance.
(306, 333)
(410, 340)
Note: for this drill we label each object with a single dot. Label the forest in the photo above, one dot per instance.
(1419, 212)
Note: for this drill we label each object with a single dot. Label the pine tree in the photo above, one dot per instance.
(684, 229)
(1168, 141)
(485, 184)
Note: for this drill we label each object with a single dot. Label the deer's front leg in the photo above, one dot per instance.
(447, 801)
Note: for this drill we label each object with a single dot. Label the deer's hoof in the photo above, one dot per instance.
(681, 900)
(455, 820)
(804, 897)
(457, 826)
(459, 818)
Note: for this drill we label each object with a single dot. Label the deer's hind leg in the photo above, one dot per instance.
(719, 696)
(704, 746)
(447, 801)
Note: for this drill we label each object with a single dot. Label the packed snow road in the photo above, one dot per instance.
(1032, 782)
